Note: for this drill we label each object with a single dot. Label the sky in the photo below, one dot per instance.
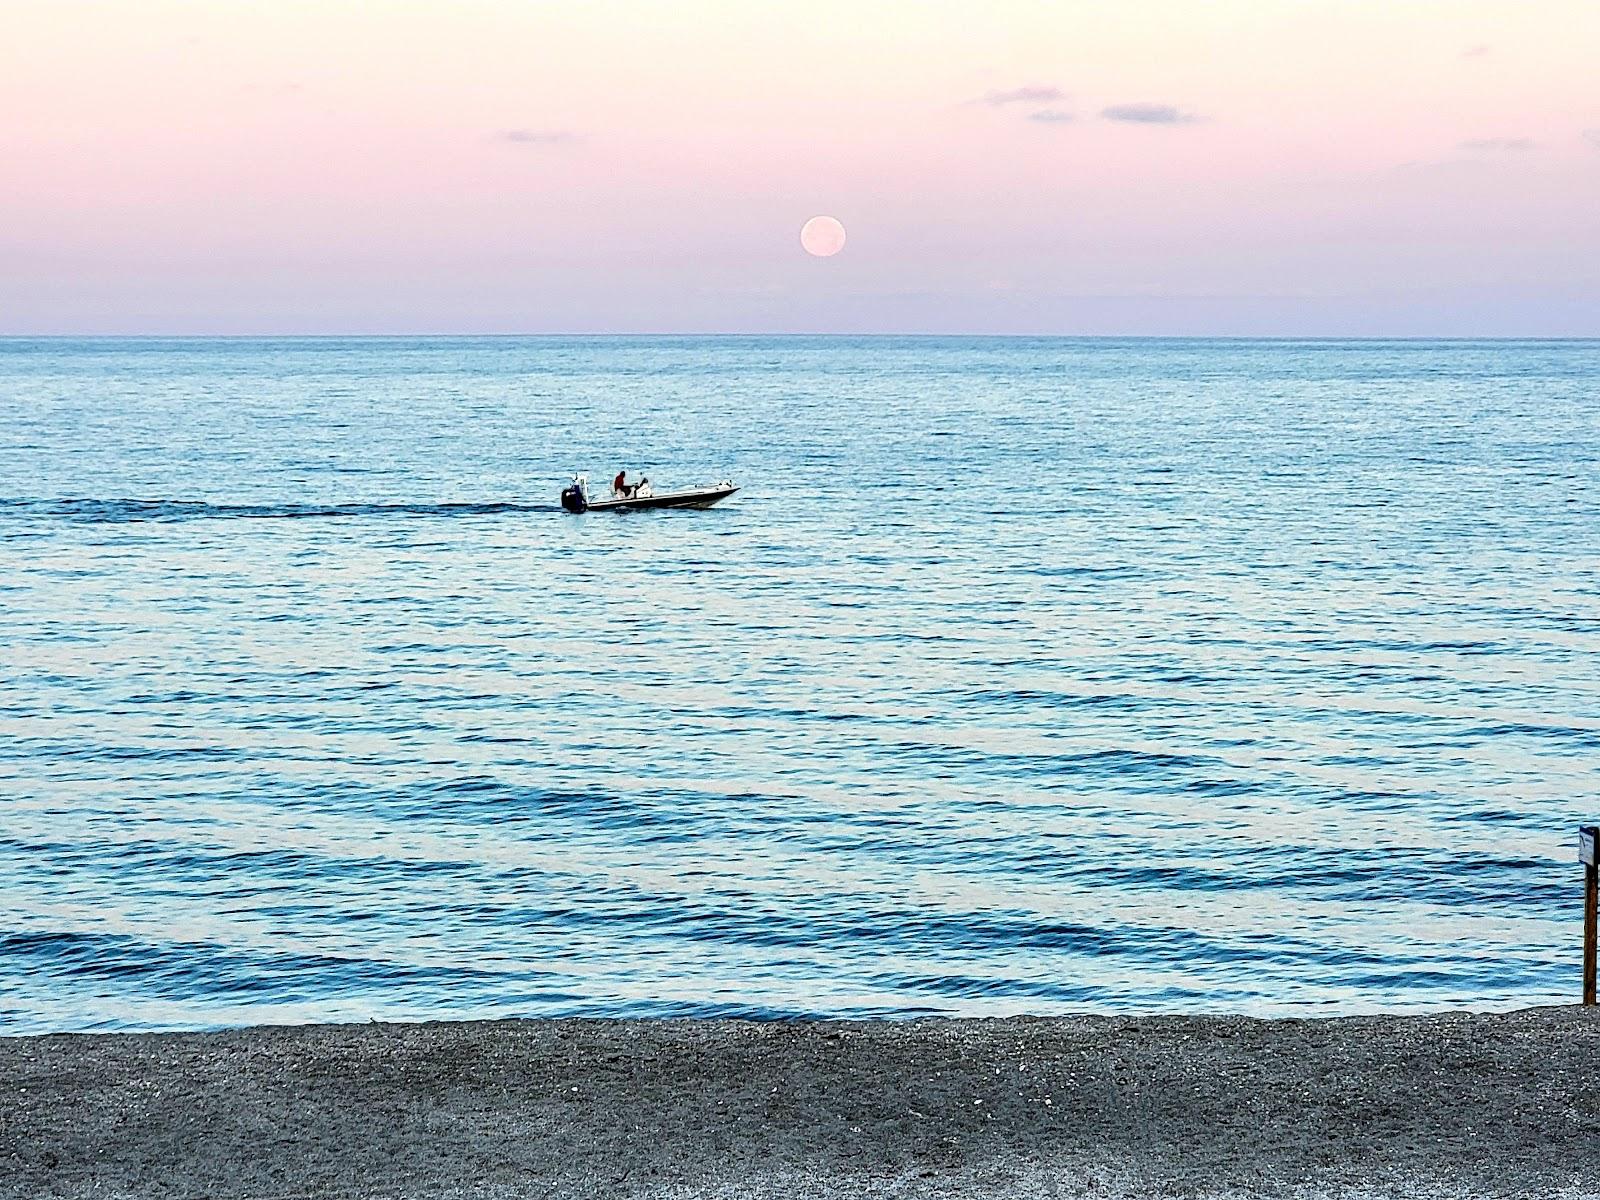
(1082, 167)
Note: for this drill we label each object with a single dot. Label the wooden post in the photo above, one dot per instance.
(1588, 835)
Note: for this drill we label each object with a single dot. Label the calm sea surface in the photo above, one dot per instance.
(1022, 676)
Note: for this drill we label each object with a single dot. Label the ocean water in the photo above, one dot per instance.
(1023, 675)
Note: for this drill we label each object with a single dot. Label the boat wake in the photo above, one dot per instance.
(93, 512)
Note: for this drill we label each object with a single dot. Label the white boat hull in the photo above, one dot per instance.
(575, 499)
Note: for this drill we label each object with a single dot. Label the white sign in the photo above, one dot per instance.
(1586, 847)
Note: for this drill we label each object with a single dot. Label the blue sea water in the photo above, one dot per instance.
(1024, 675)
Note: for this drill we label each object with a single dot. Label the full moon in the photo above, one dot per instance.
(822, 237)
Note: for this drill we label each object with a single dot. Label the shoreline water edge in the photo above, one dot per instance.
(1449, 1104)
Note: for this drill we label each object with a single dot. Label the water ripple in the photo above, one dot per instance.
(1023, 675)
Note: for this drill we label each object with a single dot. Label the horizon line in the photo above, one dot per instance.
(885, 334)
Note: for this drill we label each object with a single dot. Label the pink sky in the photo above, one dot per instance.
(1404, 167)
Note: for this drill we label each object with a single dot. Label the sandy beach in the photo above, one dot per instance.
(1439, 1105)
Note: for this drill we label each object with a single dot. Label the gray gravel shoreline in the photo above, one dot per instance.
(1439, 1105)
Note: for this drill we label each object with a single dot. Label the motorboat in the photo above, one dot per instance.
(575, 497)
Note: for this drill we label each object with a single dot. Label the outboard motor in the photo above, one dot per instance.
(575, 496)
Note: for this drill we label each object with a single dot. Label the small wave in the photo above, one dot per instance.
(116, 512)
(181, 969)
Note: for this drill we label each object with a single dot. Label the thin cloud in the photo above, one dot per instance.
(537, 137)
(1592, 136)
(1051, 116)
(1147, 114)
(1500, 145)
(1032, 94)
(1479, 51)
